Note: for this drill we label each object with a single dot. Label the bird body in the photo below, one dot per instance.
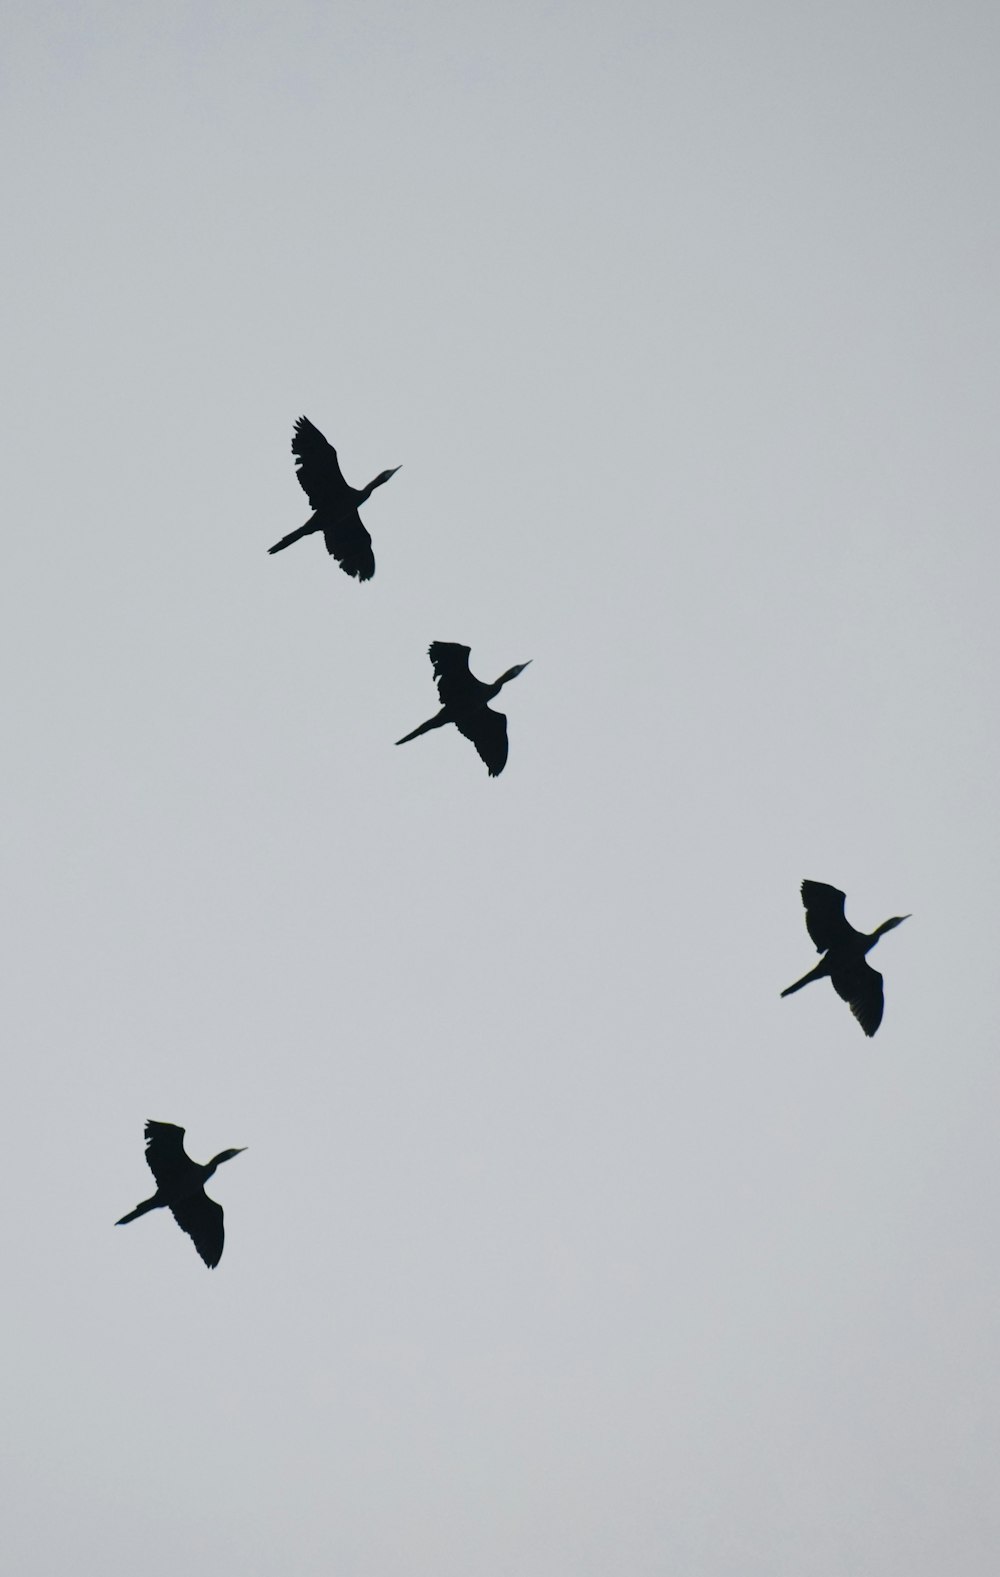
(334, 503)
(465, 702)
(845, 951)
(180, 1189)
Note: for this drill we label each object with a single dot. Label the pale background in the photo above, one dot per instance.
(562, 1246)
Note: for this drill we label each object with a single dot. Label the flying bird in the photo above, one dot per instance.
(179, 1187)
(334, 504)
(844, 949)
(465, 702)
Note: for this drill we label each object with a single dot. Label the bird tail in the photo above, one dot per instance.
(140, 1210)
(814, 974)
(293, 536)
(432, 722)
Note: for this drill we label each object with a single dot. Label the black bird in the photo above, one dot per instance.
(179, 1183)
(852, 977)
(465, 702)
(335, 505)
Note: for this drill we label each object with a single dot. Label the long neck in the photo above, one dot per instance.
(879, 930)
(366, 492)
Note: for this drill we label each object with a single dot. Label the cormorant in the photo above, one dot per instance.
(465, 702)
(851, 975)
(179, 1183)
(335, 505)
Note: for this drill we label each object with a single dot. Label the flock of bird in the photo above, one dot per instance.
(180, 1182)
(335, 505)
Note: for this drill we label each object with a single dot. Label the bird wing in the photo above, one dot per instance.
(201, 1218)
(165, 1153)
(318, 467)
(488, 731)
(456, 684)
(349, 543)
(860, 986)
(825, 919)
(449, 661)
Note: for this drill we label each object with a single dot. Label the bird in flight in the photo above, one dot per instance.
(844, 950)
(179, 1187)
(465, 702)
(334, 504)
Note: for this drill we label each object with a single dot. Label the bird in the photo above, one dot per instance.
(334, 504)
(179, 1187)
(852, 977)
(465, 702)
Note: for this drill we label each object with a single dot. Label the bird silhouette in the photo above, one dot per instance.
(334, 504)
(465, 702)
(180, 1188)
(844, 949)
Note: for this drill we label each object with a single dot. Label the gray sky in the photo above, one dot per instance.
(562, 1246)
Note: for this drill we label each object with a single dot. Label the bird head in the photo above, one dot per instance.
(383, 476)
(512, 673)
(890, 925)
(227, 1155)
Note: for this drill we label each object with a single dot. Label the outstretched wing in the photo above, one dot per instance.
(349, 543)
(825, 919)
(488, 731)
(861, 987)
(165, 1153)
(450, 663)
(201, 1218)
(318, 468)
(457, 687)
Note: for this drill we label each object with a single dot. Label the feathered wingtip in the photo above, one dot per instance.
(294, 536)
(432, 722)
(140, 1210)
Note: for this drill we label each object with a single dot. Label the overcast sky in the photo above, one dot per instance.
(561, 1247)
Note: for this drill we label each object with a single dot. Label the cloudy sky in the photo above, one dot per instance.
(561, 1247)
